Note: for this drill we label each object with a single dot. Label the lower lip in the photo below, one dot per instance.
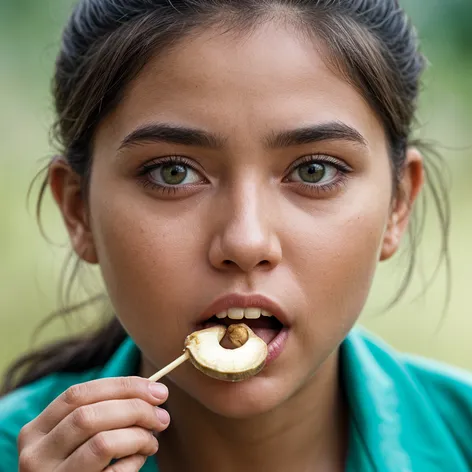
(276, 346)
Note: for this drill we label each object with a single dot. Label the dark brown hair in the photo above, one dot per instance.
(106, 43)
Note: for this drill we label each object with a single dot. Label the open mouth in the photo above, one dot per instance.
(263, 323)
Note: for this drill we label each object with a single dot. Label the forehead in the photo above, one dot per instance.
(272, 77)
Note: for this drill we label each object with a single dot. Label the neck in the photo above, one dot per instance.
(308, 432)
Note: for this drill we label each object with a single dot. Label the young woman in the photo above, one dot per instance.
(240, 158)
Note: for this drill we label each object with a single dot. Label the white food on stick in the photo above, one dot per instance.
(204, 350)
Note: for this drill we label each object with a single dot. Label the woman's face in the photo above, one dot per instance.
(284, 190)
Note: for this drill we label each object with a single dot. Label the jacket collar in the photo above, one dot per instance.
(394, 425)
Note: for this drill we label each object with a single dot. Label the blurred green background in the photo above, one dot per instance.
(30, 266)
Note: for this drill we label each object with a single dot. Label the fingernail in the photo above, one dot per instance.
(158, 391)
(163, 416)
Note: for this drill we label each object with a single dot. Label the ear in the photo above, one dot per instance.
(66, 186)
(410, 186)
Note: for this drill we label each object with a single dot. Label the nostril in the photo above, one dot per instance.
(228, 262)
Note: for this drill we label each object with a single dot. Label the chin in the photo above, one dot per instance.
(242, 400)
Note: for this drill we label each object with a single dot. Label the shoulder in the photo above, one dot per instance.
(450, 392)
(23, 405)
(440, 392)
(448, 387)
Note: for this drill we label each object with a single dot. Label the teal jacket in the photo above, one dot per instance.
(407, 414)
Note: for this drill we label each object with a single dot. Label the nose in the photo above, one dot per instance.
(246, 239)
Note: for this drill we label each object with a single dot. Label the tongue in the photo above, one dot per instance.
(266, 334)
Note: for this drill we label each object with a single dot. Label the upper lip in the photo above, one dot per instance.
(235, 300)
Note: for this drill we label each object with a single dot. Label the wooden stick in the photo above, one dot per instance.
(173, 365)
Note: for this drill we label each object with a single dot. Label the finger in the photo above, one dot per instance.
(129, 464)
(93, 392)
(89, 420)
(97, 453)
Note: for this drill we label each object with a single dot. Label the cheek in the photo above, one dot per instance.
(146, 256)
(335, 258)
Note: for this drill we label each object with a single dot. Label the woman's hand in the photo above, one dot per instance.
(92, 423)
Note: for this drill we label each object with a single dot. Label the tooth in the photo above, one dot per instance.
(221, 315)
(236, 313)
(252, 313)
(265, 313)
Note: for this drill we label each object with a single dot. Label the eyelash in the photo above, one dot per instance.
(343, 171)
(155, 164)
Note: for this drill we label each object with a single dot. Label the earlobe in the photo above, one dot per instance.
(391, 240)
(409, 188)
(66, 187)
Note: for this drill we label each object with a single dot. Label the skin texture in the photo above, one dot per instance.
(242, 227)
(92, 423)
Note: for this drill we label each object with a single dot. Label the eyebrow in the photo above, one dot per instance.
(330, 131)
(174, 134)
(168, 133)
